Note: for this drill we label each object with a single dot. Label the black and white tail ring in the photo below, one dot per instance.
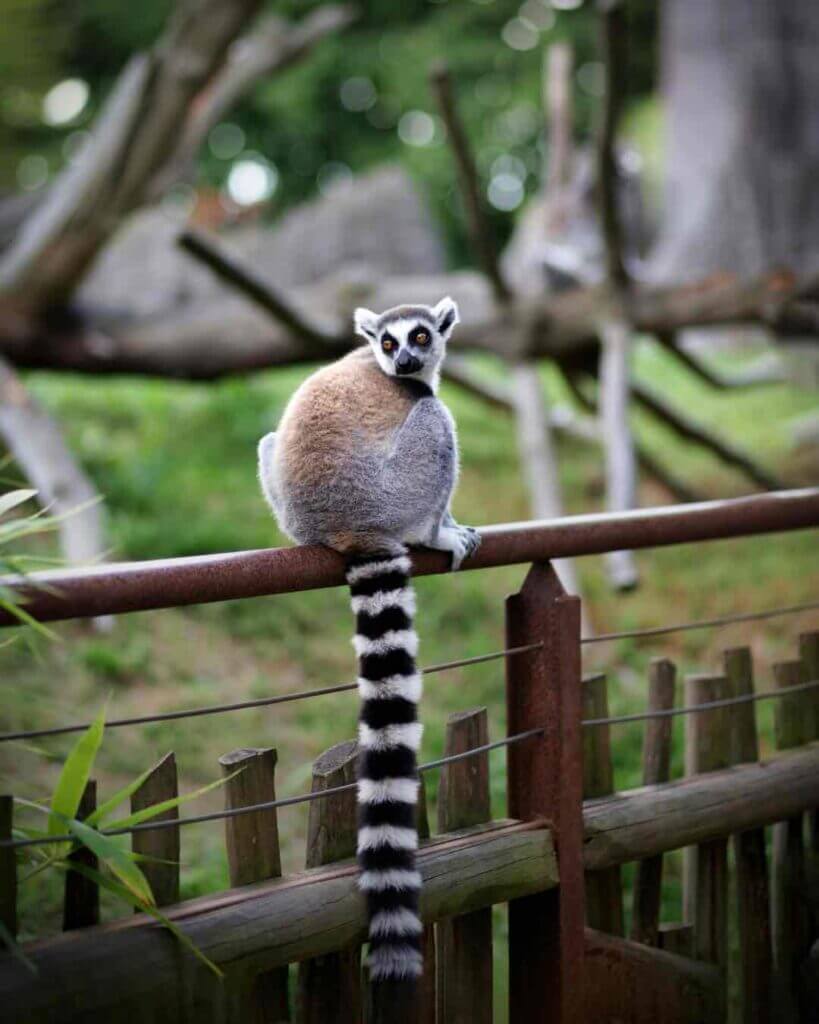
(389, 737)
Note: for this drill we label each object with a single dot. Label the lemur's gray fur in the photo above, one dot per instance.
(392, 476)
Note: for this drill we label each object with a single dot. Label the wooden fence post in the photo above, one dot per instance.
(465, 943)
(707, 748)
(429, 945)
(81, 899)
(752, 893)
(330, 986)
(164, 844)
(645, 918)
(788, 914)
(252, 842)
(545, 780)
(8, 868)
(809, 655)
(604, 891)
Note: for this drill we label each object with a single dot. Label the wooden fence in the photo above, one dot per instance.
(556, 860)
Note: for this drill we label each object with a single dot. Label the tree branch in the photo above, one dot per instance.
(469, 183)
(695, 432)
(269, 49)
(613, 52)
(38, 447)
(215, 256)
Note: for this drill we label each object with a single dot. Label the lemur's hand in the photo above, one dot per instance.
(460, 541)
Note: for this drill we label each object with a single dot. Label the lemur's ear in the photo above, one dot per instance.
(365, 323)
(446, 316)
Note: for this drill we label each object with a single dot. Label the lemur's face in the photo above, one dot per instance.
(409, 341)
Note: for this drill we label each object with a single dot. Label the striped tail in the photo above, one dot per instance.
(389, 736)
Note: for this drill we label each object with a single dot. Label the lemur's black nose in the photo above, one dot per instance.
(406, 363)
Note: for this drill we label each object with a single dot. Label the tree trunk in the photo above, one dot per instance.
(741, 91)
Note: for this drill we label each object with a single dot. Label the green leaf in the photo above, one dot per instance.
(120, 890)
(118, 861)
(9, 941)
(167, 805)
(27, 620)
(74, 776)
(114, 801)
(14, 498)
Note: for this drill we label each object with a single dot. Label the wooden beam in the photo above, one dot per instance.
(643, 822)
(631, 983)
(260, 927)
(81, 896)
(164, 844)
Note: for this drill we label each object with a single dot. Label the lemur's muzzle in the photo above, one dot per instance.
(406, 364)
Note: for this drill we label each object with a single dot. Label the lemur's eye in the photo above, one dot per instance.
(421, 338)
(387, 344)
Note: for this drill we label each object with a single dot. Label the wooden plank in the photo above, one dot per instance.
(604, 891)
(8, 868)
(676, 937)
(750, 859)
(707, 749)
(329, 987)
(789, 919)
(642, 822)
(465, 943)
(81, 897)
(162, 784)
(648, 879)
(252, 842)
(631, 983)
(545, 780)
(266, 925)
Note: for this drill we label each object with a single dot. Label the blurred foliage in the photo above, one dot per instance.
(341, 108)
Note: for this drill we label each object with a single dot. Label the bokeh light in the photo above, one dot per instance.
(520, 34)
(505, 191)
(358, 94)
(590, 78)
(65, 101)
(32, 172)
(252, 180)
(416, 128)
(334, 176)
(226, 141)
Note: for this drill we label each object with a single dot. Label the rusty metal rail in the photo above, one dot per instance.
(165, 583)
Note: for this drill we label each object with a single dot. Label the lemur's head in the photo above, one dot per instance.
(409, 341)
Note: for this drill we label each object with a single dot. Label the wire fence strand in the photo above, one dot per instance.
(693, 709)
(218, 709)
(268, 805)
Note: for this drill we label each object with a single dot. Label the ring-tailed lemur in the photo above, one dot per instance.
(365, 461)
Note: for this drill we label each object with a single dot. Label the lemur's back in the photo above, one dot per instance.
(334, 434)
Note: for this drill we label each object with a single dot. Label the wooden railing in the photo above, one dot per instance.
(555, 861)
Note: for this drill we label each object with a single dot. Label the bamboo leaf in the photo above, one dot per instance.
(114, 801)
(117, 860)
(120, 890)
(74, 776)
(14, 498)
(166, 805)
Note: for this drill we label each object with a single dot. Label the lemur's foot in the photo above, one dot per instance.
(461, 541)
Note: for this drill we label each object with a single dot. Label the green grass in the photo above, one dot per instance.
(176, 464)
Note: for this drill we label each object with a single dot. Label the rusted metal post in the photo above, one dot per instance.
(752, 893)
(645, 921)
(330, 986)
(545, 780)
(8, 868)
(604, 890)
(81, 900)
(253, 855)
(465, 943)
(163, 844)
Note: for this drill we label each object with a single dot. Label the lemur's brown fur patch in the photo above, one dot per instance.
(348, 403)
